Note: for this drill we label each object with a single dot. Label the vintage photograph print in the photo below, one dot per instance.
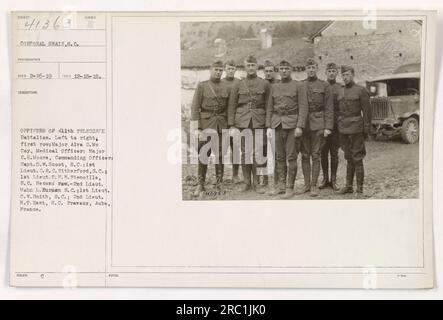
(298, 110)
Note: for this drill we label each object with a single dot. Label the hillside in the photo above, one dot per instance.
(242, 38)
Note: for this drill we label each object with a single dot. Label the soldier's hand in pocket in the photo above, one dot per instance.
(298, 132)
(327, 132)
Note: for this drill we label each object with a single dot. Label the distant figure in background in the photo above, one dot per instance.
(230, 80)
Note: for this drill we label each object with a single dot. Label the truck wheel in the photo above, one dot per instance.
(410, 130)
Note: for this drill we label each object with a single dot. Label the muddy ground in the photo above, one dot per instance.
(392, 172)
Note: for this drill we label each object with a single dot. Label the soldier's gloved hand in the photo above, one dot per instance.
(326, 133)
(298, 132)
(269, 133)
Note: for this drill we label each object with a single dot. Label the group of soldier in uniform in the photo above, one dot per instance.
(313, 118)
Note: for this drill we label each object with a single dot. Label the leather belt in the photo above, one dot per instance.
(213, 111)
(316, 108)
(286, 112)
(342, 115)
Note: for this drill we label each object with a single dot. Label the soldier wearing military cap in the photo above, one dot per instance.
(270, 72)
(247, 111)
(209, 109)
(354, 122)
(287, 112)
(332, 143)
(320, 125)
(230, 80)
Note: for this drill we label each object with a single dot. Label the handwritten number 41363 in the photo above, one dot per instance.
(55, 24)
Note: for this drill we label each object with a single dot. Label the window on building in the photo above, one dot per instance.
(352, 57)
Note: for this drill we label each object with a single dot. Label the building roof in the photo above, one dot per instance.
(319, 32)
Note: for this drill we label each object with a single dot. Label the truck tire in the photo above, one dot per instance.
(410, 130)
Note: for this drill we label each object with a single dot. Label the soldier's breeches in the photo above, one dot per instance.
(253, 148)
(287, 149)
(353, 146)
(287, 146)
(312, 144)
(218, 152)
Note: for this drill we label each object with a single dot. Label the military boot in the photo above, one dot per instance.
(265, 181)
(360, 176)
(279, 182)
(202, 169)
(246, 169)
(199, 190)
(350, 170)
(275, 177)
(334, 167)
(325, 168)
(324, 183)
(314, 191)
(256, 180)
(306, 167)
(235, 178)
(290, 185)
(315, 174)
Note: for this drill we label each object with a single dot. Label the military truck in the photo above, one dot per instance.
(395, 102)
